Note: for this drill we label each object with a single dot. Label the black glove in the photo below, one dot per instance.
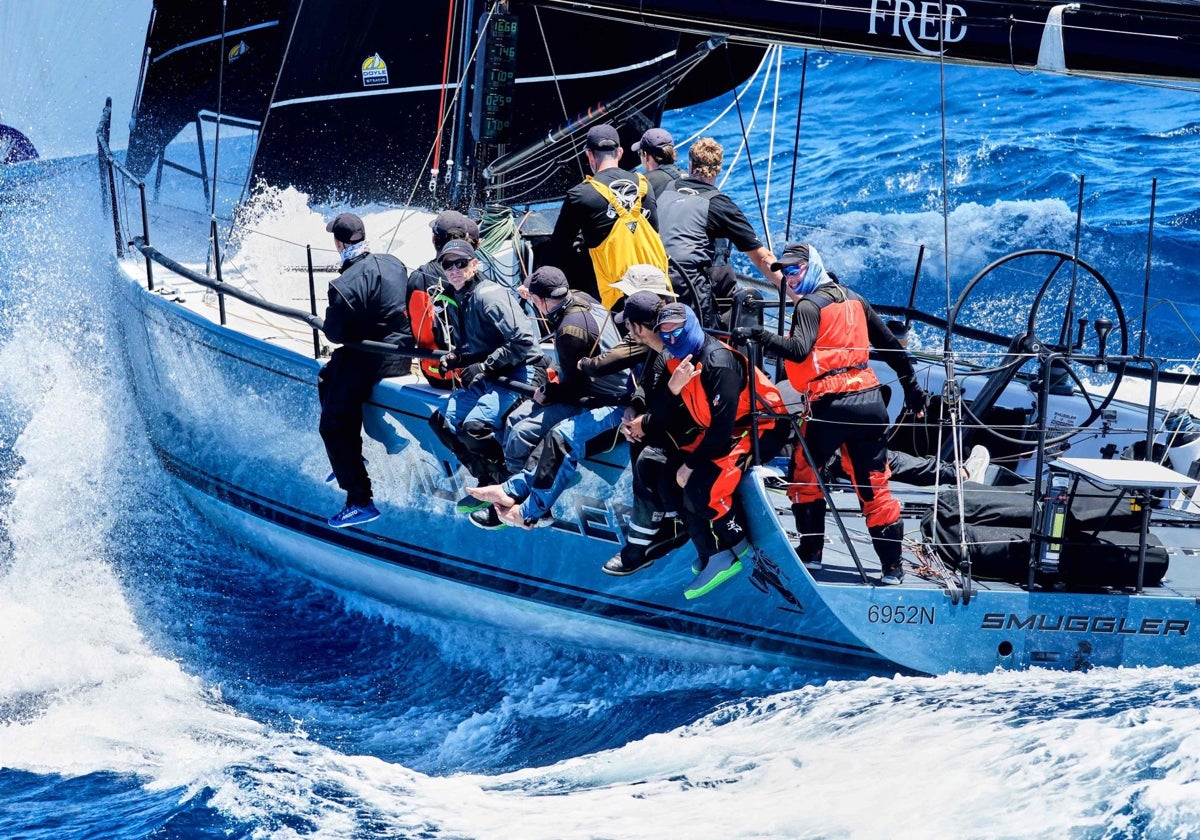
(447, 363)
(470, 373)
(915, 398)
(744, 334)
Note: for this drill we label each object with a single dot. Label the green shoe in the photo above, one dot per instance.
(720, 568)
(469, 504)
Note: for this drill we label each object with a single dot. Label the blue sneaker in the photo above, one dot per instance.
(354, 515)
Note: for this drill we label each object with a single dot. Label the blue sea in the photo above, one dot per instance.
(160, 680)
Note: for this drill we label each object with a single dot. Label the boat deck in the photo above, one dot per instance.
(1176, 532)
(289, 286)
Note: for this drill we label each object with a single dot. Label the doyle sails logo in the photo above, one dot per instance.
(374, 71)
(239, 50)
(923, 24)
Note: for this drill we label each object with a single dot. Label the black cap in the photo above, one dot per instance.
(796, 253)
(457, 248)
(640, 308)
(548, 282)
(454, 224)
(654, 140)
(671, 312)
(603, 138)
(347, 228)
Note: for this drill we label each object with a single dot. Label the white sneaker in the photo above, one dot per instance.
(977, 464)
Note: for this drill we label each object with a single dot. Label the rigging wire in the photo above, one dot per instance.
(409, 209)
(771, 151)
(437, 140)
(212, 210)
(787, 231)
(562, 103)
(262, 129)
(745, 137)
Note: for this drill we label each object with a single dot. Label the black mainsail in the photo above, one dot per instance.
(1157, 39)
(182, 68)
(389, 100)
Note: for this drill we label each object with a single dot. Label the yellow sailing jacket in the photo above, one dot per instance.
(632, 241)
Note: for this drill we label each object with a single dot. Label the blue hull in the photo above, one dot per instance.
(234, 418)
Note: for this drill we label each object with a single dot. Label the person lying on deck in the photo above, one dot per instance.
(545, 437)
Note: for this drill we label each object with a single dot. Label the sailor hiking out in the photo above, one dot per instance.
(496, 349)
(695, 421)
(546, 436)
(366, 303)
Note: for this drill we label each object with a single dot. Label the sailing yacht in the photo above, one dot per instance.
(399, 112)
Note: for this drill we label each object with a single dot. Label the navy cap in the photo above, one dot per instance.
(654, 140)
(548, 282)
(347, 228)
(455, 225)
(603, 138)
(457, 248)
(640, 308)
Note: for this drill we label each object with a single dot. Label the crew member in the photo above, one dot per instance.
(494, 338)
(614, 212)
(704, 447)
(656, 150)
(826, 354)
(545, 437)
(366, 303)
(693, 218)
(427, 301)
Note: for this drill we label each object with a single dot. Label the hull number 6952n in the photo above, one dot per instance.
(910, 614)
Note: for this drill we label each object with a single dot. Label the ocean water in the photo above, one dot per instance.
(159, 680)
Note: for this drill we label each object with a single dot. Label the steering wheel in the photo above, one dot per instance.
(1066, 299)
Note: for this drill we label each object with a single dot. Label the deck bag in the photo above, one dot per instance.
(1110, 558)
(997, 525)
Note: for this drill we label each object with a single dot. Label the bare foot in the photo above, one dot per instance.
(493, 493)
(511, 515)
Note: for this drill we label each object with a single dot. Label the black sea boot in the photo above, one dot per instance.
(810, 524)
(887, 540)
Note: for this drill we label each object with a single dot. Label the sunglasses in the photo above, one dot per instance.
(459, 264)
(793, 275)
(671, 335)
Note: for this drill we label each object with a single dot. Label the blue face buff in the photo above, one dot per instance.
(806, 278)
(686, 339)
(352, 251)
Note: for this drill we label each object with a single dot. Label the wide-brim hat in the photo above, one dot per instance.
(644, 277)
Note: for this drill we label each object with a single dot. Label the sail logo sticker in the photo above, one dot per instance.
(921, 29)
(374, 71)
(239, 50)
